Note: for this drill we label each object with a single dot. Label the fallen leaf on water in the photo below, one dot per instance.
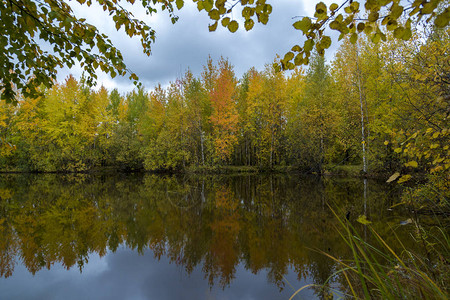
(406, 222)
(393, 177)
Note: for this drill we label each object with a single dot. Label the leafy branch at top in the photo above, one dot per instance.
(26, 23)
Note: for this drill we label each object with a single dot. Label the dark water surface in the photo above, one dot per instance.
(141, 236)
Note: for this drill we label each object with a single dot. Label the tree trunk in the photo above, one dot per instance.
(363, 137)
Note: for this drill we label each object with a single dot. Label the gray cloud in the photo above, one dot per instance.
(188, 43)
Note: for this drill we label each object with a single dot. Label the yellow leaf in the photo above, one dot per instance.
(386, 142)
(398, 150)
(404, 178)
(438, 160)
(412, 163)
(363, 220)
(437, 169)
(393, 177)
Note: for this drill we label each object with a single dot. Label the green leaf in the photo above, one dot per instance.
(353, 38)
(407, 34)
(396, 11)
(355, 6)
(334, 6)
(208, 5)
(298, 60)
(325, 43)
(233, 26)
(363, 220)
(321, 8)
(308, 45)
(335, 25)
(213, 27)
(391, 25)
(288, 56)
(247, 12)
(214, 14)
(296, 48)
(263, 18)
(303, 25)
(393, 177)
(376, 38)
(360, 27)
(368, 29)
(225, 21)
(428, 7)
(277, 67)
(248, 24)
(200, 5)
(373, 16)
(398, 32)
(179, 3)
(443, 19)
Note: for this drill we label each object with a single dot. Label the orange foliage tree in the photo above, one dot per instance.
(224, 116)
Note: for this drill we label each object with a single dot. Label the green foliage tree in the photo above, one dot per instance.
(317, 118)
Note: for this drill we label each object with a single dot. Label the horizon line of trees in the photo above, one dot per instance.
(386, 105)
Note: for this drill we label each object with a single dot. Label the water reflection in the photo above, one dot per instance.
(216, 228)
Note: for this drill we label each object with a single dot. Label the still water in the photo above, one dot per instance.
(141, 236)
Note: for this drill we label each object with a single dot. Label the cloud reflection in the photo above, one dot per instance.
(126, 274)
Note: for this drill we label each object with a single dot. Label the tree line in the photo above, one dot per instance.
(386, 105)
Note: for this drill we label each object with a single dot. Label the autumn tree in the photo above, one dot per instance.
(198, 115)
(266, 111)
(7, 146)
(224, 118)
(317, 118)
(350, 91)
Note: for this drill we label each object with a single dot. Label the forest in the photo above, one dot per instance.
(382, 107)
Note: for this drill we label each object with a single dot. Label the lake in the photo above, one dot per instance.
(144, 236)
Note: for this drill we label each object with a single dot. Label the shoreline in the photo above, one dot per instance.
(354, 171)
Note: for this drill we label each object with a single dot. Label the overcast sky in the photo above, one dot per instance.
(188, 43)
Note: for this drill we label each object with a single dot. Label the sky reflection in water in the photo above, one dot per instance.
(126, 274)
(151, 237)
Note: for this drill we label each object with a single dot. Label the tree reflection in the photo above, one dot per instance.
(272, 223)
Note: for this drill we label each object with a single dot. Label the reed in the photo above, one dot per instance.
(377, 271)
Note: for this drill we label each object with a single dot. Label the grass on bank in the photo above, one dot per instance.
(377, 271)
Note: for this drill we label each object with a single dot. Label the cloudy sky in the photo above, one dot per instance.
(188, 43)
